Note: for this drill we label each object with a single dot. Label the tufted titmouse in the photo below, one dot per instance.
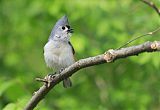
(58, 51)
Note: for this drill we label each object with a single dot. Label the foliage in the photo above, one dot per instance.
(128, 84)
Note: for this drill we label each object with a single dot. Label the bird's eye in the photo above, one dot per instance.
(63, 27)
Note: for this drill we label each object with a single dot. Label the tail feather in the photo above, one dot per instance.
(67, 83)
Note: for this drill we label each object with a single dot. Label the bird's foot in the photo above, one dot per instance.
(59, 72)
(49, 79)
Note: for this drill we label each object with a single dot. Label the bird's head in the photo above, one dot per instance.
(62, 30)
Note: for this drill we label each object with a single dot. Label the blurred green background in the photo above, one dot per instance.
(128, 84)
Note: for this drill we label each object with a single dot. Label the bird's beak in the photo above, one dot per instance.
(70, 30)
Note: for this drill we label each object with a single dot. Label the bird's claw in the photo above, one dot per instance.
(59, 73)
(61, 70)
(49, 79)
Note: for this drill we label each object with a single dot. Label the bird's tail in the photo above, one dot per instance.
(67, 83)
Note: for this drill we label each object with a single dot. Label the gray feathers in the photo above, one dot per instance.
(58, 52)
(63, 21)
(73, 51)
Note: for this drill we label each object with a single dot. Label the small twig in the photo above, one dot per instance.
(149, 33)
(151, 4)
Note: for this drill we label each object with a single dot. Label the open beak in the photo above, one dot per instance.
(70, 30)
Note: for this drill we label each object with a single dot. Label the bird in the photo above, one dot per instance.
(58, 51)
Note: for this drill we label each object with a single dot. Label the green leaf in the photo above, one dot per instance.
(10, 106)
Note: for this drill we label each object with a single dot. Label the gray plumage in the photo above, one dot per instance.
(58, 51)
(61, 22)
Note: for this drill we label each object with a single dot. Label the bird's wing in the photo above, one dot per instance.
(73, 51)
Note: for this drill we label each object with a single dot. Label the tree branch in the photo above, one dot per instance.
(152, 5)
(109, 56)
(137, 37)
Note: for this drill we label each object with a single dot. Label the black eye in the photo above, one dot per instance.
(63, 27)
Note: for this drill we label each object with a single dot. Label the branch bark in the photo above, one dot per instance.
(152, 5)
(109, 56)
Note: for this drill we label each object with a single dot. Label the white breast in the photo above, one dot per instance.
(58, 55)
